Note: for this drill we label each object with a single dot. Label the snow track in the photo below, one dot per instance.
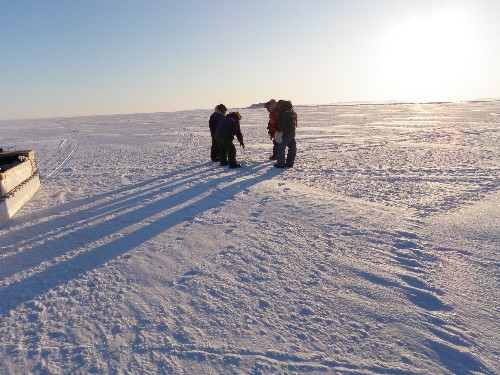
(53, 162)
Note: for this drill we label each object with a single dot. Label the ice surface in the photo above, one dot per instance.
(377, 253)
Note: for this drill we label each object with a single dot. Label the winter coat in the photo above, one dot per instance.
(287, 120)
(229, 128)
(273, 118)
(215, 119)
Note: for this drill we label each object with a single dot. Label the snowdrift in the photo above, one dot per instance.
(19, 179)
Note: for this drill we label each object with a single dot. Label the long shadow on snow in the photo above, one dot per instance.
(85, 215)
(22, 291)
(64, 220)
(71, 222)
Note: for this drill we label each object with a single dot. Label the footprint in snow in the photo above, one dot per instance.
(187, 276)
(256, 213)
(230, 230)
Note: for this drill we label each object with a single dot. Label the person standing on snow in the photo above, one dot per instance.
(273, 107)
(285, 135)
(215, 119)
(271, 125)
(224, 135)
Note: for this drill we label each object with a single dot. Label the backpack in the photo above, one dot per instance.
(291, 118)
(287, 117)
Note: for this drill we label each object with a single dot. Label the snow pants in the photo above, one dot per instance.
(275, 149)
(214, 150)
(227, 152)
(290, 156)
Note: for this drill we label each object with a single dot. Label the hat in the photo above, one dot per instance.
(221, 107)
(236, 115)
(270, 105)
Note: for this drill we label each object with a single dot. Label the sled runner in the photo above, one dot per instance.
(19, 180)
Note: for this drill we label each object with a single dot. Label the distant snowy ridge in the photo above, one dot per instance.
(387, 102)
(256, 106)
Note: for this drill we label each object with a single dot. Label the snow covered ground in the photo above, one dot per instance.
(376, 254)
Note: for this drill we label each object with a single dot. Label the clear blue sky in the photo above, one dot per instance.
(89, 57)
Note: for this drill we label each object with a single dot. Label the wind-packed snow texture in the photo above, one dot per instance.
(376, 254)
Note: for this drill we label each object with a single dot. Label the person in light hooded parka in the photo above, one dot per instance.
(273, 108)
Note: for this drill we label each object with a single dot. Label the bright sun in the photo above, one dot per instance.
(425, 58)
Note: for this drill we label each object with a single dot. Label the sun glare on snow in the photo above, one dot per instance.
(427, 57)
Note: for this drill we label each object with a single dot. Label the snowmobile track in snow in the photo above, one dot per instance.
(52, 163)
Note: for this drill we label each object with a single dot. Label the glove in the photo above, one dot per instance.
(278, 137)
(239, 136)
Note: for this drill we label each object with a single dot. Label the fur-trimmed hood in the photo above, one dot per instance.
(270, 105)
(221, 108)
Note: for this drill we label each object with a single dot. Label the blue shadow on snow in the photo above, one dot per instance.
(18, 292)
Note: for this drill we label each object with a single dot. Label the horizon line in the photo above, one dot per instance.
(258, 105)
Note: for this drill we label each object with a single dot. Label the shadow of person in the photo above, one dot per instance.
(68, 256)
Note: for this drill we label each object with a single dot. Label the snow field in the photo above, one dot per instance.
(377, 253)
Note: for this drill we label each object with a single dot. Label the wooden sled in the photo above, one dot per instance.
(19, 180)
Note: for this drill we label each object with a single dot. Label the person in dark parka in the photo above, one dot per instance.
(285, 135)
(224, 135)
(215, 119)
